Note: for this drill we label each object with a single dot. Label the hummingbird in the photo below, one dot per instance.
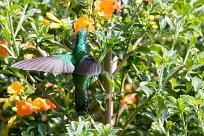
(79, 63)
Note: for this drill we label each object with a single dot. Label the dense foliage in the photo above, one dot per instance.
(151, 51)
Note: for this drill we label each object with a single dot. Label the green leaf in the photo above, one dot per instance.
(109, 78)
(42, 129)
(192, 41)
(173, 73)
(146, 90)
(188, 87)
(196, 83)
(7, 34)
(169, 124)
(181, 104)
(149, 115)
(161, 103)
(162, 23)
(14, 7)
(157, 58)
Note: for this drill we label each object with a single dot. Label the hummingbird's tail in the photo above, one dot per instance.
(81, 84)
(81, 101)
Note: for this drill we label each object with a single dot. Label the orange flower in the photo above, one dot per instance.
(24, 108)
(84, 22)
(15, 88)
(128, 88)
(28, 45)
(52, 106)
(3, 52)
(128, 99)
(3, 41)
(29, 56)
(40, 104)
(48, 85)
(148, 0)
(106, 7)
(43, 104)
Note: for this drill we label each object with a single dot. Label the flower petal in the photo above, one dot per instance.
(24, 108)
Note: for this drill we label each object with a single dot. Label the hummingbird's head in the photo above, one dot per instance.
(81, 36)
(82, 32)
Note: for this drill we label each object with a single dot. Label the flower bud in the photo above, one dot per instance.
(151, 17)
(55, 25)
(52, 17)
(153, 23)
(10, 122)
(157, 17)
(155, 26)
(138, 2)
(98, 25)
(31, 118)
(169, 39)
(45, 21)
(6, 105)
(3, 100)
(14, 109)
(63, 23)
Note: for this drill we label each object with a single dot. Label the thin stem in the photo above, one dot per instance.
(43, 53)
(67, 47)
(178, 29)
(21, 20)
(186, 57)
(184, 124)
(94, 124)
(120, 110)
(129, 53)
(202, 125)
(101, 85)
(129, 120)
(12, 33)
(161, 77)
(138, 41)
(121, 63)
(134, 114)
(172, 74)
(108, 68)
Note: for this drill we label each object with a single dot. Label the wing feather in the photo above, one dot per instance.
(55, 64)
(88, 66)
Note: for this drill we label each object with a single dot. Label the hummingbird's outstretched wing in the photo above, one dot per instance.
(56, 64)
(88, 66)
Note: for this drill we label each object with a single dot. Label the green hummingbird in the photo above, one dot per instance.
(79, 63)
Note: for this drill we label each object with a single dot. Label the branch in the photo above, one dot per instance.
(134, 114)
(12, 33)
(21, 20)
(129, 53)
(109, 103)
(120, 109)
(138, 42)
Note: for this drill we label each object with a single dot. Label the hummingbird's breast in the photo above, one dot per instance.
(79, 53)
